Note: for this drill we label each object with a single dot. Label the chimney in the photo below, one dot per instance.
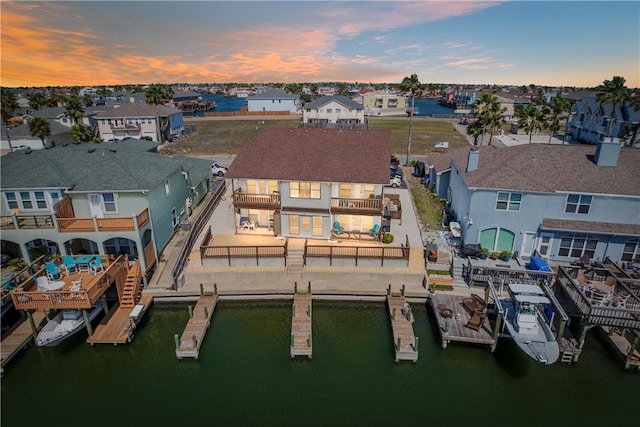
(607, 152)
(473, 160)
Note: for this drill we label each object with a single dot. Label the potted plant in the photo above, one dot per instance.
(494, 255)
(484, 253)
(387, 238)
(16, 264)
(505, 255)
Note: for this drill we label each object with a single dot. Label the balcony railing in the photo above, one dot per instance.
(355, 206)
(126, 126)
(69, 225)
(256, 201)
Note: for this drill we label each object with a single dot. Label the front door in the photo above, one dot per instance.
(544, 244)
(95, 206)
(527, 243)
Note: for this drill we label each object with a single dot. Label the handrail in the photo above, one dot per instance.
(357, 252)
(196, 228)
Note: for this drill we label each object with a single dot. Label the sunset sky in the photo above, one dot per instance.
(573, 43)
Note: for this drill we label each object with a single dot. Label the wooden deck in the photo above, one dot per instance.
(301, 340)
(624, 347)
(193, 335)
(20, 338)
(119, 325)
(453, 328)
(404, 341)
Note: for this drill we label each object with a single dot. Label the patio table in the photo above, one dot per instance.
(83, 262)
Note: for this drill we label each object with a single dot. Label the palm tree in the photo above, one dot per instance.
(87, 99)
(410, 85)
(475, 129)
(74, 109)
(39, 127)
(36, 100)
(613, 92)
(80, 132)
(635, 127)
(531, 119)
(9, 103)
(560, 107)
(485, 110)
(158, 94)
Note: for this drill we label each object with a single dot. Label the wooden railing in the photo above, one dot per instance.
(372, 205)
(249, 252)
(102, 224)
(26, 221)
(356, 253)
(481, 273)
(246, 200)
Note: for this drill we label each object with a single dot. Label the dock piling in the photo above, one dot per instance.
(215, 288)
(201, 289)
(190, 312)
(176, 339)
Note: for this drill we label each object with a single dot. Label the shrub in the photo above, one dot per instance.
(387, 238)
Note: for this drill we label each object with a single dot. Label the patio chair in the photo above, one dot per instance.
(69, 264)
(53, 272)
(76, 285)
(373, 232)
(96, 266)
(338, 228)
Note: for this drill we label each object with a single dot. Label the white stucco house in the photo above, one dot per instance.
(274, 100)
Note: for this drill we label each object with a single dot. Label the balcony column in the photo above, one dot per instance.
(95, 224)
(54, 218)
(14, 219)
(87, 322)
(32, 323)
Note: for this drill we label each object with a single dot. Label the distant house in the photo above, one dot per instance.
(590, 121)
(20, 138)
(58, 115)
(333, 111)
(274, 100)
(562, 201)
(122, 198)
(139, 120)
(380, 103)
(325, 177)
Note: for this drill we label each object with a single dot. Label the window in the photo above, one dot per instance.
(304, 190)
(25, 198)
(329, 110)
(317, 226)
(497, 239)
(167, 188)
(345, 191)
(55, 197)
(508, 201)
(338, 110)
(631, 250)
(578, 203)
(368, 191)
(109, 201)
(12, 202)
(294, 224)
(577, 245)
(174, 218)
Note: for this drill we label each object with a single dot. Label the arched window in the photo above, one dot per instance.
(631, 250)
(497, 239)
(577, 245)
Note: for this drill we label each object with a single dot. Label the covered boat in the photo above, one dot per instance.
(65, 324)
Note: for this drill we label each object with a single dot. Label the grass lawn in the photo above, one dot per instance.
(428, 206)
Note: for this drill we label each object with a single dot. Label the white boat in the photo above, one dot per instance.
(527, 326)
(63, 325)
(455, 229)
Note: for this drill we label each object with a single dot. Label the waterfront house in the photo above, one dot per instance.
(563, 201)
(20, 138)
(591, 121)
(380, 103)
(122, 198)
(308, 182)
(333, 111)
(274, 100)
(140, 120)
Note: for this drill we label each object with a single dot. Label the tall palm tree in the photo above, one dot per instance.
(410, 85)
(613, 92)
(157, 94)
(80, 132)
(531, 119)
(37, 100)
(40, 127)
(87, 99)
(484, 110)
(475, 129)
(74, 109)
(560, 107)
(9, 103)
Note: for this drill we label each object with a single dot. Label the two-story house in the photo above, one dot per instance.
(140, 120)
(333, 111)
(274, 100)
(563, 201)
(122, 198)
(591, 121)
(380, 103)
(301, 182)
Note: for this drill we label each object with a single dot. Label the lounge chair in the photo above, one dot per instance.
(76, 285)
(338, 228)
(473, 304)
(476, 321)
(96, 266)
(69, 264)
(53, 272)
(375, 231)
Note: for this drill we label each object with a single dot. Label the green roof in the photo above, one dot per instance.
(130, 165)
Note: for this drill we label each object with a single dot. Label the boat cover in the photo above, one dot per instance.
(538, 264)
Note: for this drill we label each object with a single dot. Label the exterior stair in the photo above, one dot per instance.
(295, 261)
(132, 286)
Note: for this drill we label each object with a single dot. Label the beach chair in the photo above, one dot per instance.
(338, 228)
(373, 232)
(53, 272)
(96, 266)
(69, 264)
(76, 285)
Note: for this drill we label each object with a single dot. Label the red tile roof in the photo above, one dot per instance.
(323, 155)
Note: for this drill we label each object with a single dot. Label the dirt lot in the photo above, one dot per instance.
(226, 136)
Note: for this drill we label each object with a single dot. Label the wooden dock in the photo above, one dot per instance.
(199, 321)
(119, 325)
(301, 339)
(20, 338)
(453, 328)
(404, 341)
(625, 348)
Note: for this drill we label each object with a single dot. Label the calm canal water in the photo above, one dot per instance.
(245, 378)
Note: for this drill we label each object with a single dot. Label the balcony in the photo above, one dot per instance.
(357, 206)
(125, 126)
(256, 201)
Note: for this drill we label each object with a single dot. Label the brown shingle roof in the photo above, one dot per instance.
(550, 168)
(324, 155)
(137, 109)
(590, 227)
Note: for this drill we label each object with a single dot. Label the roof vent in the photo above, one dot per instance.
(76, 142)
(113, 150)
(91, 150)
(64, 144)
(27, 151)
